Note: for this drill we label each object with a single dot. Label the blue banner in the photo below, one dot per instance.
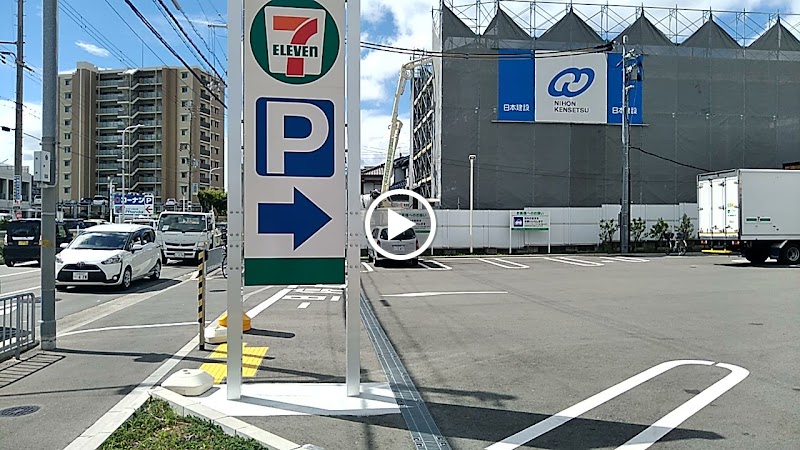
(515, 85)
(615, 92)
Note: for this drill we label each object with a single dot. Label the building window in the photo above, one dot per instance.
(184, 117)
(67, 109)
(216, 177)
(184, 131)
(67, 136)
(183, 174)
(184, 189)
(184, 74)
(185, 89)
(66, 190)
(66, 163)
(67, 149)
(67, 82)
(68, 95)
(216, 164)
(184, 104)
(216, 151)
(216, 110)
(216, 137)
(67, 122)
(183, 160)
(66, 177)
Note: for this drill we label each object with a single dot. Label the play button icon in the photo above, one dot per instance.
(391, 233)
(398, 224)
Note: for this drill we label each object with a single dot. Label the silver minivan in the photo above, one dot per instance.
(403, 244)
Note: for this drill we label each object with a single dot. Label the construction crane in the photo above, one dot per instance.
(406, 73)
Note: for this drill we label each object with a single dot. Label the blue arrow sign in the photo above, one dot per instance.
(302, 218)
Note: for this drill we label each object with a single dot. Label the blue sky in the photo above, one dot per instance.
(92, 30)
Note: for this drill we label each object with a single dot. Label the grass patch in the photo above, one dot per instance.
(155, 426)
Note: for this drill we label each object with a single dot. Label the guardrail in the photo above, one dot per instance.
(214, 260)
(17, 324)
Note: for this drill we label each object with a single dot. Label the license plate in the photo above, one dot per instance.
(22, 242)
(180, 255)
(398, 247)
(80, 276)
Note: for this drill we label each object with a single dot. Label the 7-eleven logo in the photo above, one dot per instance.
(296, 38)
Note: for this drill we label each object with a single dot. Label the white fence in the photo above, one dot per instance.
(568, 226)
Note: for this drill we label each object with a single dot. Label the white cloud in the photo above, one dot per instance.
(93, 49)
(30, 125)
(375, 136)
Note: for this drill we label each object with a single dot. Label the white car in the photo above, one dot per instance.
(109, 255)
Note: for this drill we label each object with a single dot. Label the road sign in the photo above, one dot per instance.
(133, 204)
(294, 142)
(529, 220)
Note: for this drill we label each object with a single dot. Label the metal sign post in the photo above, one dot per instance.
(233, 165)
(354, 223)
(294, 111)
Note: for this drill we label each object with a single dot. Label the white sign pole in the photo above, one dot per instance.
(233, 166)
(354, 224)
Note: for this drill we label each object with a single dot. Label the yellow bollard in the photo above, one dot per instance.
(223, 321)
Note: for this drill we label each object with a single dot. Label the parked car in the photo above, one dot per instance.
(99, 200)
(109, 255)
(402, 244)
(23, 240)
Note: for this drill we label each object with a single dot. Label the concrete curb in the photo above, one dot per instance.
(187, 406)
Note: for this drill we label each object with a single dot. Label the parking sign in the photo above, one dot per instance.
(294, 184)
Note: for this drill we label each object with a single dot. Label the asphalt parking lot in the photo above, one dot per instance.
(498, 345)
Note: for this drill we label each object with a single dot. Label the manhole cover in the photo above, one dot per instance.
(16, 411)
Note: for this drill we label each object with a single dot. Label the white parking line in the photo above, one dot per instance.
(433, 294)
(19, 273)
(368, 267)
(503, 263)
(304, 305)
(574, 262)
(656, 431)
(424, 263)
(336, 298)
(629, 259)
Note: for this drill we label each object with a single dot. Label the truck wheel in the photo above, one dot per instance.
(790, 254)
(756, 255)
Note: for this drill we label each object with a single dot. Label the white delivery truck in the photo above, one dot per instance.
(751, 212)
(183, 234)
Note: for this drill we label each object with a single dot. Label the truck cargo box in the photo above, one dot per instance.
(749, 204)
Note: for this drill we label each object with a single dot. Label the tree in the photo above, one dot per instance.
(686, 227)
(658, 229)
(213, 199)
(637, 230)
(607, 230)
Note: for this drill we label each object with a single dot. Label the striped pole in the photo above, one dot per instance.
(201, 297)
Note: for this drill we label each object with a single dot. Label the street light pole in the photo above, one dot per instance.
(124, 160)
(471, 198)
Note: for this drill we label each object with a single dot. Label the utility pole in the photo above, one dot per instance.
(625, 214)
(49, 190)
(192, 161)
(18, 126)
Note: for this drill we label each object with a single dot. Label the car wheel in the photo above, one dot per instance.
(414, 262)
(126, 279)
(10, 263)
(156, 271)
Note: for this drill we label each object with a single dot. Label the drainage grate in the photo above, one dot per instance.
(16, 411)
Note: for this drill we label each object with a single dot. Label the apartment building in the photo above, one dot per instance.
(152, 130)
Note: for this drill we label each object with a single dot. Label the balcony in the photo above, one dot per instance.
(150, 123)
(108, 83)
(147, 180)
(205, 151)
(108, 166)
(205, 123)
(110, 97)
(109, 139)
(148, 137)
(205, 137)
(113, 111)
(145, 151)
(110, 124)
(205, 166)
(204, 95)
(205, 180)
(205, 110)
(115, 152)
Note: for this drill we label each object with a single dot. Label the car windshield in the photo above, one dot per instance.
(24, 229)
(178, 223)
(100, 241)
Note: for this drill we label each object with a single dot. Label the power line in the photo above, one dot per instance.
(191, 24)
(530, 54)
(96, 34)
(172, 50)
(670, 160)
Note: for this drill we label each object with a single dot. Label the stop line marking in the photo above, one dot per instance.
(654, 432)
